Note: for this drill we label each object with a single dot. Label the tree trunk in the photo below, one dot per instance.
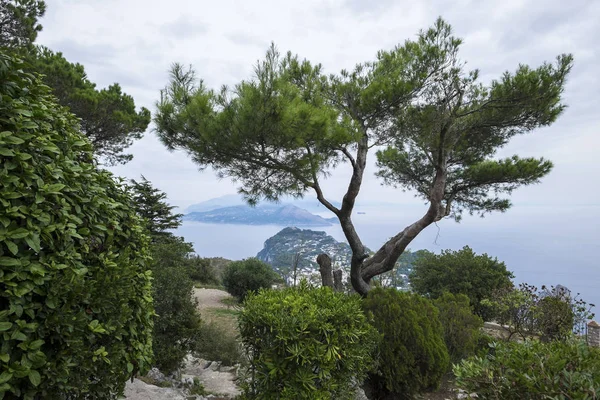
(338, 285)
(325, 269)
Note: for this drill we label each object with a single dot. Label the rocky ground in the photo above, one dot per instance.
(218, 381)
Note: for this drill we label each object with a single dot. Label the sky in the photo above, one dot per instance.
(134, 43)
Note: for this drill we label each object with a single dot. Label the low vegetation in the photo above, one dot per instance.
(533, 370)
(412, 353)
(305, 343)
(460, 326)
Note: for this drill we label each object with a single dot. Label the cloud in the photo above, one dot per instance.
(135, 42)
(184, 27)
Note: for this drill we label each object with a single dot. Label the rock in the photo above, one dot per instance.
(156, 375)
(138, 390)
(211, 376)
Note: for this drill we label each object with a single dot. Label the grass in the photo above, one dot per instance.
(230, 302)
(225, 318)
(199, 285)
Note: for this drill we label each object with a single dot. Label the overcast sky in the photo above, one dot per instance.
(133, 42)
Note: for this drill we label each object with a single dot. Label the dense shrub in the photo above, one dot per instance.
(460, 272)
(412, 354)
(177, 323)
(75, 304)
(217, 344)
(201, 270)
(241, 277)
(461, 327)
(533, 370)
(305, 343)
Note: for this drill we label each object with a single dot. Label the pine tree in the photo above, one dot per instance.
(150, 204)
(437, 127)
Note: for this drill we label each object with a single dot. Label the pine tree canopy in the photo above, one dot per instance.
(434, 126)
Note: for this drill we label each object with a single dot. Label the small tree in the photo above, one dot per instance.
(150, 204)
(242, 277)
(283, 131)
(412, 354)
(460, 272)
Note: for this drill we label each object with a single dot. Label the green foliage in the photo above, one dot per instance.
(550, 314)
(19, 22)
(242, 277)
(532, 370)
(107, 117)
(201, 270)
(75, 305)
(305, 343)
(412, 354)
(150, 204)
(177, 323)
(217, 344)
(461, 327)
(460, 272)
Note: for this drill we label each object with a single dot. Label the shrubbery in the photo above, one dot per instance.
(412, 354)
(75, 301)
(461, 327)
(202, 271)
(242, 277)
(177, 323)
(460, 272)
(551, 314)
(532, 370)
(305, 343)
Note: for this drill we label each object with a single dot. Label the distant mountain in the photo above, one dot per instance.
(267, 214)
(279, 251)
(218, 202)
(309, 203)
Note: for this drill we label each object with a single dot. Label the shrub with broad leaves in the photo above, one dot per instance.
(75, 295)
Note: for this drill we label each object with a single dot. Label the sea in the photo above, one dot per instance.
(540, 245)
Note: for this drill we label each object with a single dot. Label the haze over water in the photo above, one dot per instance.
(554, 246)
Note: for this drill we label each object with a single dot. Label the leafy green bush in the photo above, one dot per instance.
(305, 343)
(241, 277)
(461, 327)
(75, 305)
(216, 344)
(202, 271)
(177, 323)
(412, 354)
(460, 272)
(533, 370)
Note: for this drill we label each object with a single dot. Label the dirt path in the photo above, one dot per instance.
(210, 298)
